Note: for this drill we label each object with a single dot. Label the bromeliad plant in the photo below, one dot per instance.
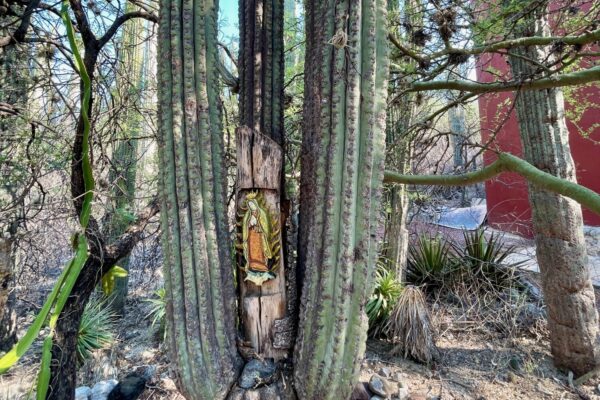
(158, 311)
(384, 297)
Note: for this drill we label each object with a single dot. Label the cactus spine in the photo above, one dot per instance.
(196, 245)
(343, 154)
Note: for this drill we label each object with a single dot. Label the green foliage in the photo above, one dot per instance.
(483, 258)
(158, 310)
(96, 328)
(108, 279)
(430, 260)
(60, 291)
(384, 297)
(480, 264)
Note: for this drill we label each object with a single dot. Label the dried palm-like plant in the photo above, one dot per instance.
(409, 327)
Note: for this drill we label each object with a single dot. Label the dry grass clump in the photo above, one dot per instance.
(409, 327)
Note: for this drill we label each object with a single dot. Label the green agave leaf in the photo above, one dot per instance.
(69, 274)
(44, 375)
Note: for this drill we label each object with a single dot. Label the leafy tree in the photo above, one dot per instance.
(540, 66)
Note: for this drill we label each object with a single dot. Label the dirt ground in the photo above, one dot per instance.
(474, 363)
(477, 359)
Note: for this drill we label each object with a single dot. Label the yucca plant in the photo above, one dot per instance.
(409, 327)
(484, 258)
(430, 259)
(384, 298)
(158, 310)
(98, 322)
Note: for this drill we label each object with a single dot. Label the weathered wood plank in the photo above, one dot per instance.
(259, 166)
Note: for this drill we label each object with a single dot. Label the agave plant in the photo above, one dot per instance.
(384, 297)
(430, 259)
(98, 322)
(484, 257)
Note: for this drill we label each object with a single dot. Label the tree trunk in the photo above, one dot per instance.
(262, 306)
(196, 244)
(261, 66)
(398, 158)
(343, 153)
(458, 129)
(63, 372)
(557, 220)
(8, 316)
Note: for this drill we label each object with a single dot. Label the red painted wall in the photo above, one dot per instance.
(507, 200)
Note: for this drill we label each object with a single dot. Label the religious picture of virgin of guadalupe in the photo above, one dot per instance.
(259, 239)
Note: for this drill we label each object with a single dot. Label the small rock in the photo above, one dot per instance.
(402, 383)
(168, 384)
(360, 392)
(147, 372)
(377, 384)
(510, 377)
(403, 393)
(377, 398)
(257, 373)
(435, 397)
(129, 388)
(251, 395)
(101, 389)
(83, 393)
(237, 393)
(417, 396)
(269, 393)
(400, 378)
(385, 372)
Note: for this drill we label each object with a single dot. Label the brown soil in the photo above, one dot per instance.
(474, 361)
(473, 364)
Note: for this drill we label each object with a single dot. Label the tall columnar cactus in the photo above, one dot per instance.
(130, 84)
(399, 139)
(557, 220)
(342, 171)
(14, 82)
(261, 66)
(196, 245)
